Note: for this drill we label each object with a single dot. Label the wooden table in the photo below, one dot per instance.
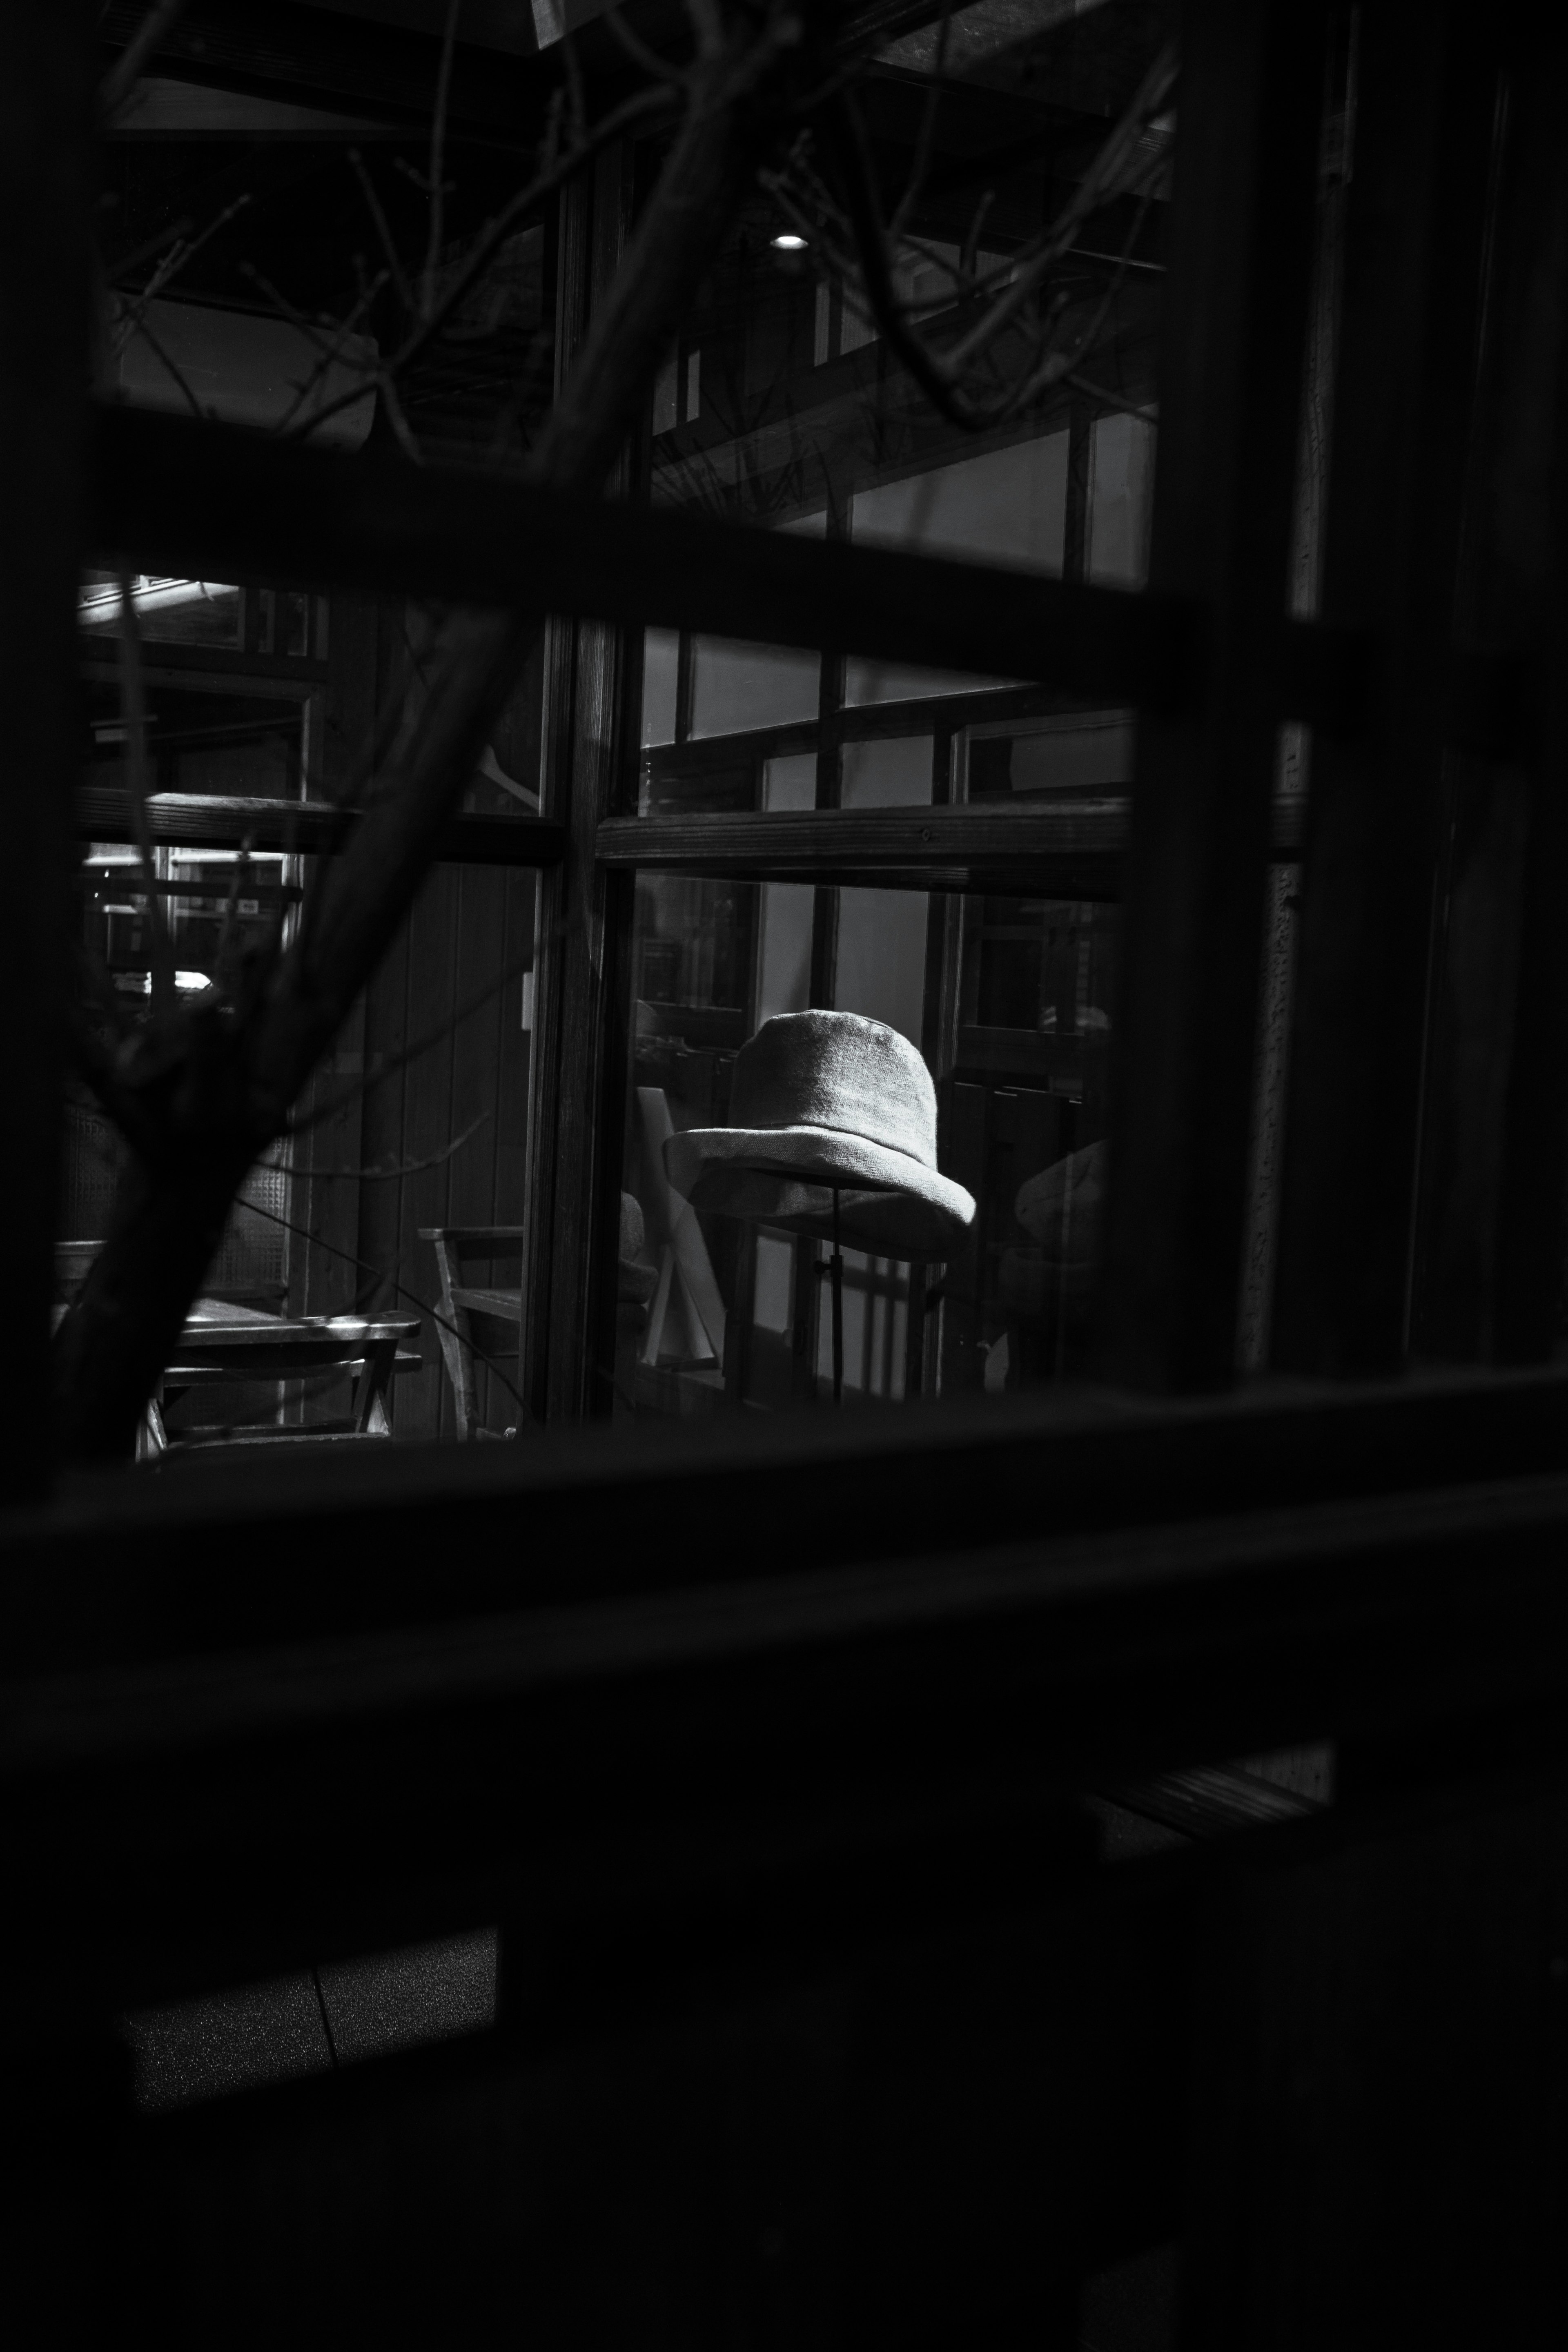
(225, 1343)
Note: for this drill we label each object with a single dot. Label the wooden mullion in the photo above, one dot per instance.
(1496, 1239)
(1077, 846)
(1237, 298)
(685, 686)
(223, 821)
(585, 934)
(1426, 108)
(47, 64)
(824, 947)
(1080, 447)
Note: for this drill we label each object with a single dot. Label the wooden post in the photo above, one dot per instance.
(1237, 300)
(46, 132)
(1425, 101)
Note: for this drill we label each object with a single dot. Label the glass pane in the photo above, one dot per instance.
(168, 612)
(1121, 469)
(893, 772)
(1004, 1003)
(201, 734)
(736, 687)
(1090, 753)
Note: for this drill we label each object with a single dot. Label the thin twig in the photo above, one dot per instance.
(658, 69)
(332, 353)
(172, 233)
(404, 1167)
(388, 244)
(179, 258)
(181, 382)
(423, 1045)
(438, 160)
(922, 164)
(402, 1289)
(642, 108)
(128, 68)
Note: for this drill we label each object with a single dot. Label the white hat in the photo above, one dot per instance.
(821, 1100)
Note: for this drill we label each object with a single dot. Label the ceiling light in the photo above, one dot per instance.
(786, 241)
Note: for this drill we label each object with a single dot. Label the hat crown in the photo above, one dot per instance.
(840, 1071)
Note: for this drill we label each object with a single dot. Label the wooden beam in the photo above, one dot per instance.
(331, 1742)
(214, 821)
(1072, 847)
(206, 499)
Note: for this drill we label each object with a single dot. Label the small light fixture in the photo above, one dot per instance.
(788, 241)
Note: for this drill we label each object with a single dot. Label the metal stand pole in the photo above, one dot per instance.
(836, 1266)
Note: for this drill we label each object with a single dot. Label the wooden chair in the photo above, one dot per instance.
(474, 1315)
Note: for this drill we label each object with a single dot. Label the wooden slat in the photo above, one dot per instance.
(1425, 114)
(1073, 846)
(1231, 370)
(211, 821)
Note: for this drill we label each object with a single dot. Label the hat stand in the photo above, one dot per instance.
(835, 1272)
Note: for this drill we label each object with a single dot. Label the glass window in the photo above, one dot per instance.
(1003, 992)
(1007, 1001)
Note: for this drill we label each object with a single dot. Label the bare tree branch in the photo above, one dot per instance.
(400, 1168)
(438, 160)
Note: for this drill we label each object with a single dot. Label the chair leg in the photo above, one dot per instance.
(457, 1339)
(370, 1414)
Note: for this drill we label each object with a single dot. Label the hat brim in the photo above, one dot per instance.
(889, 1205)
